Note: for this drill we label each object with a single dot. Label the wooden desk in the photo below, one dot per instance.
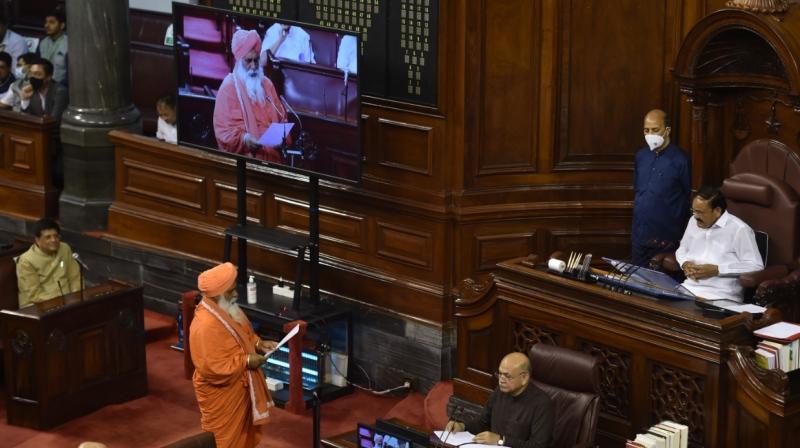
(660, 359)
(349, 439)
(68, 356)
(28, 146)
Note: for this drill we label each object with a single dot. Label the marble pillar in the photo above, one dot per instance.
(100, 100)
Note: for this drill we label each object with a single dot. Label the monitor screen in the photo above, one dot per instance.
(369, 437)
(274, 91)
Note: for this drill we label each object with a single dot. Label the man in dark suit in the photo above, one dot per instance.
(42, 96)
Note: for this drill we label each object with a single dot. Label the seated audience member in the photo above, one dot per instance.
(228, 381)
(287, 42)
(42, 96)
(165, 106)
(11, 42)
(517, 414)
(6, 77)
(247, 103)
(54, 46)
(347, 57)
(47, 269)
(716, 248)
(12, 97)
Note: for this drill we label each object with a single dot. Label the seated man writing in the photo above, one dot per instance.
(716, 247)
(47, 269)
(517, 414)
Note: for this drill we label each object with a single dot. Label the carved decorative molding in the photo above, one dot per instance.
(527, 335)
(776, 380)
(56, 340)
(678, 396)
(22, 344)
(760, 6)
(470, 291)
(615, 379)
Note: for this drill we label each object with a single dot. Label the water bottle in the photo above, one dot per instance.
(251, 291)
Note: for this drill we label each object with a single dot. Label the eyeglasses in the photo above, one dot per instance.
(251, 60)
(694, 212)
(506, 376)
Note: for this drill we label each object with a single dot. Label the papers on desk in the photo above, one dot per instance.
(782, 331)
(745, 308)
(459, 439)
(275, 134)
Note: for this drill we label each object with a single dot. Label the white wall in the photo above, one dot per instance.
(157, 5)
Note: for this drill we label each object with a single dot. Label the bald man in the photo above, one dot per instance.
(228, 382)
(518, 414)
(662, 187)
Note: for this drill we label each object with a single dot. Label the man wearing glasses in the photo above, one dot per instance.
(517, 414)
(47, 269)
(716, 248)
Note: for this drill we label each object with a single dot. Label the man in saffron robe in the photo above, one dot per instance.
(228, 381)
(247, 102)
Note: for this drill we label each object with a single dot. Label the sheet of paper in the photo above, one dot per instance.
(781, 330)
(275, 134)
(285, 339)
(747, 307)
(459, 439)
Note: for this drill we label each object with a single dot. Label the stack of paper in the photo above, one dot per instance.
(459, 439)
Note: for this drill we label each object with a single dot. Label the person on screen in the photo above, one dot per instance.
(47, 269)
(347, 57)
(517, 414)
(661, 185)
(165, 106)
(228, 381)
(247, 102)
(287, 42)
(716, 247)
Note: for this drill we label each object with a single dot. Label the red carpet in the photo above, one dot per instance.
(169, 412)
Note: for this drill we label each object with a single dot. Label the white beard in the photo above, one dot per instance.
(253, 83)
(232, 308)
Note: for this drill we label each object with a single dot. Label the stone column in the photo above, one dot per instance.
(100, 100)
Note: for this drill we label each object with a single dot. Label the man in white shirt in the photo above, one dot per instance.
(347, 57)
(287, 42)
(716, 248)
(167, 119)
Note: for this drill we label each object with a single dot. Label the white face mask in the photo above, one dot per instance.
(654, 141)
(18, 73)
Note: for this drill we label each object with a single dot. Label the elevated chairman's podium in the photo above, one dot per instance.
(660, 359)
(70, 355)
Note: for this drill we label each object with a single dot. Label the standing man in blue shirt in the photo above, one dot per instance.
(662, 187)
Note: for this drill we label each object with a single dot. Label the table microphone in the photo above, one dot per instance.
(77, 258)
(456, 416)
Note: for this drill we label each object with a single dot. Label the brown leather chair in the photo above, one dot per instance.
(572, 380)
(763, 190)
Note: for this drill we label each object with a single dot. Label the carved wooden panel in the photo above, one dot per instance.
(525, 335)
(608, 243)
(225, 200)
(93, 347)
(601, 107)
(404, 245)
(503, 124)
(172, 187)
(335, 226)
(615, 378)
(678, 395)
(491, 249)
(405, 146)
(479, 356)
(25, 385)
(56, 361)
(23, 154)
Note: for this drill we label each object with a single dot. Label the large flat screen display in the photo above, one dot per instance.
(275, 91)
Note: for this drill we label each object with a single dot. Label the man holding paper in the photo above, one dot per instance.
(228, 382)
(517, 414)
(247, 104)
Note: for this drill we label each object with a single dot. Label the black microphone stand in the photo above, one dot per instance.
(80, 267)
(315, 400)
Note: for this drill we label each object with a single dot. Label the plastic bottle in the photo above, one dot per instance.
(251, 291)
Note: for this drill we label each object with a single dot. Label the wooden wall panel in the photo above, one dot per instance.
(406, 146)
(23, 155)
(225, 203)
(171, 187)
(406, 245)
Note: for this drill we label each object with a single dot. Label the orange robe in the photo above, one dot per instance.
(236, 114)
(234, 400)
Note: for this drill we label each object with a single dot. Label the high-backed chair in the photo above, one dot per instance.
(764, 191)
(572, 380)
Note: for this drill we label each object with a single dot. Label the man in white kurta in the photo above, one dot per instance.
(716, 248)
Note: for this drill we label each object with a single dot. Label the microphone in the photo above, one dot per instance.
(60, 289)
(77, 258)
(290, 109)
(456, 415)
